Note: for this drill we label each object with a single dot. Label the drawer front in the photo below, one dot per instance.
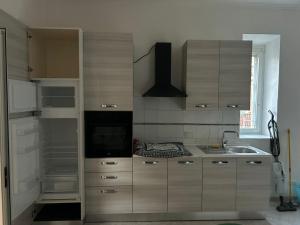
(108, 165)
(219, 184)
(185, 171)
(150, 171)
(108, 179)
(253, 183)
(149, 199)
(108, 200)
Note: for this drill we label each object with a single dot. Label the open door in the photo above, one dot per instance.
(4, 209)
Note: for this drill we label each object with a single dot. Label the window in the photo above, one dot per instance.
(250, 120)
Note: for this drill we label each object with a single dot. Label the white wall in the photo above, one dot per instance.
(26, 11)
(177, 21)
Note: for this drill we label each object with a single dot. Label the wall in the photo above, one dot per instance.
(177, 21)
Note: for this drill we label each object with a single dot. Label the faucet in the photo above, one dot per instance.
(224, 142)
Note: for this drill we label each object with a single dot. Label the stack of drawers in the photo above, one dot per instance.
(108, 185)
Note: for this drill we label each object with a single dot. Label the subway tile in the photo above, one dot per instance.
(170, 131)
(151, 116)
(170, 116)
(138, 103)
(202, 132)
(151, 103)
(175, 104)
(139, 116)
(139, 132)
(189, 131)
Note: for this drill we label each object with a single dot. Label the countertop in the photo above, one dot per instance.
(197, 152)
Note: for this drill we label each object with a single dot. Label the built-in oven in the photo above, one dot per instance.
(108, 134)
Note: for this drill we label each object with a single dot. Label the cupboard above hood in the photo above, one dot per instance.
(163, 86)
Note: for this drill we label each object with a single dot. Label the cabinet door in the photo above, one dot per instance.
(184, 184)
(22, 96)
(149, 185)
(202, 75)
(253, 183)
(219, 184)
(235, 75)
(24, 163)
(108, 71)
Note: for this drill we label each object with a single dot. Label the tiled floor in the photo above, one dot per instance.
(272, 218)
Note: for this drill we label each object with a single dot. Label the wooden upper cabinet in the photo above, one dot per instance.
(235, 75)
(54, 53)
(202, 74)
(218, 74)
(108, 71)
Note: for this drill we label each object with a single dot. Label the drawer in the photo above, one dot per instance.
(149, 199)
(185, 171)
(219, 184)
(108, 165)
(108, 179)
(149, 171)
(108, 200)
(253, 183)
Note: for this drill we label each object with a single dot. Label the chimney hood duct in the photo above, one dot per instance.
(163, 86)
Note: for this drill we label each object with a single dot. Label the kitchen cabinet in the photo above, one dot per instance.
(108, 72)
(202, 74)
(253, 183)
(235, 75)
(149, 185)
(54, 53)
(219, 184)
(108, 183)
(184, 184)
(46, 146)
(217, 75)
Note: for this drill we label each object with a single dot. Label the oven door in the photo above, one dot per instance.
(108, 137)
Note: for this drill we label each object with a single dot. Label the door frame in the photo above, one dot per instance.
(4, 176)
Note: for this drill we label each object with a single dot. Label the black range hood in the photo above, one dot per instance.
(163, 86)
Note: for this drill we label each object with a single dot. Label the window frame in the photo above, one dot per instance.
(258, 51)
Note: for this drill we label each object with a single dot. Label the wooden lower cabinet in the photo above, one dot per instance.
(253, 183)
(184, 184)
(219, 184)
(149, 185)
(108, 200)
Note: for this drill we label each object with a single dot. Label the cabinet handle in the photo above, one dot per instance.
(109, 191)
(233, 106)
(254, 162)
(109, 177)
(185, 162)
(109, 163)
(201, 106)
(109, 106)
(220, 162)
(151, 162)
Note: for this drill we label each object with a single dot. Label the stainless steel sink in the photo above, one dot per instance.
(228, 150)
(241, 150)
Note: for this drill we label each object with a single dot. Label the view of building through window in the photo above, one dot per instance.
(249, 118)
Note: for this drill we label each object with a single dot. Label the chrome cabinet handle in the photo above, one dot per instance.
(233, 106)
(109, 177)
(109, 163)
(109, 191)
(201, 106)
(109, 105)
(220, 162)
(254, 162)
(185, 162)
(151, 162)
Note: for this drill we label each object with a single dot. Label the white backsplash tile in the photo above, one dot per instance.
(170, 131)
(151, 116)
(170, 116)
